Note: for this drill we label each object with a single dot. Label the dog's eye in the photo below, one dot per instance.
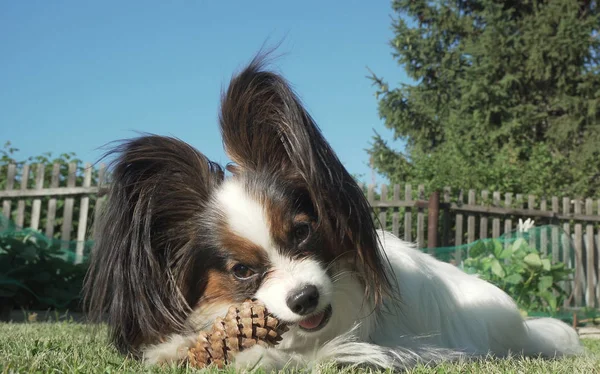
(241, 271)
(301, 232)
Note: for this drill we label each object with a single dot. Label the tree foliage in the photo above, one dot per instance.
(507, 96)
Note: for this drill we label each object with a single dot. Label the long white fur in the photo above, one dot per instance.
(244, 215)
(455, 310)
(438, 313)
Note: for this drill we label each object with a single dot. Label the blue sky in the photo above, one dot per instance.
(76, 75)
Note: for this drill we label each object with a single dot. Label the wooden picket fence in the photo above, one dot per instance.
(31, 187)
(438, 219)
(50, 196)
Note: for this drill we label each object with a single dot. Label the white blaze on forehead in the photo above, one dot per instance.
(245, 216)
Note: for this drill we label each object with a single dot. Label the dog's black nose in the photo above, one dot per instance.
(304, 300)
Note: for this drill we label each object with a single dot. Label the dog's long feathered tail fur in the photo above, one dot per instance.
(138, 277)
(550, 337)
(546, 337)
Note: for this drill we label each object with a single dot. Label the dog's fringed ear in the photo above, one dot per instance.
(266, 128)
(159, 187)
(254, 113)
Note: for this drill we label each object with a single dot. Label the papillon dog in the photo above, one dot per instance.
(180, 241)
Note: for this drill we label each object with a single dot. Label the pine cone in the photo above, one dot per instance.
(243, 327)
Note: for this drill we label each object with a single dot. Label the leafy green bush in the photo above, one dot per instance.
(34, 273)
(521, 271)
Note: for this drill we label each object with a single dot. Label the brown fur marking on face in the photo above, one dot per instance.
(243, 250)
(278, 221)
(220, 284)
(219, 288)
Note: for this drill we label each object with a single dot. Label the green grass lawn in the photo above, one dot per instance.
(65, 347)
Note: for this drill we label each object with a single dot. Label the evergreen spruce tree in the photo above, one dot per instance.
(507, 96)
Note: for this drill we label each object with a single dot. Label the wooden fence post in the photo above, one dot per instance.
(446, 218)
(471, 218)
(421, 219)
(579, 274)
(408, 213)
(566, 243)
(433, 215)
(51, 215)
(383, 210)
(590, 292)
(10, 181)
(458, 238)
(395, 219)
(20, 220)
(37, 202)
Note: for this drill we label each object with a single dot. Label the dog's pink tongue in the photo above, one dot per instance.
(312, 322)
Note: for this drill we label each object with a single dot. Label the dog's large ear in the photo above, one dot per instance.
(159, 188)
(266, 128)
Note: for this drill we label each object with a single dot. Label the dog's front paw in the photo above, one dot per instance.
(255, 357)
(172, 351)
(266, 359)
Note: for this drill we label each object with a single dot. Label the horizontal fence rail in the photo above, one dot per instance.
(64, 200)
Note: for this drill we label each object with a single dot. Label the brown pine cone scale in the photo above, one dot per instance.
(243, 327)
